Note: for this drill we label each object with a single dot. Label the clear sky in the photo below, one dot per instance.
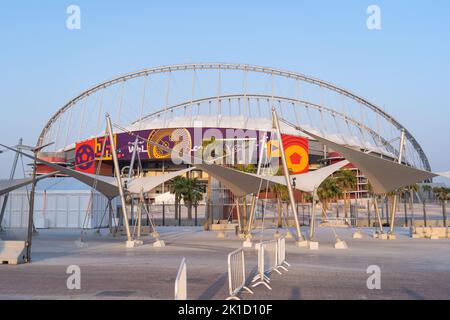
(403, 67)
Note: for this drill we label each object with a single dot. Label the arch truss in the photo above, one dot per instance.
(229, 91)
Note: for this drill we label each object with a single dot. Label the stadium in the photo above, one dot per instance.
(211, 111)
(156, 102)
(189, 106)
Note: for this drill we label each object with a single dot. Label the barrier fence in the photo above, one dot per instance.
(236, 274)
(282, 263)
(267, 262)
(181, 282)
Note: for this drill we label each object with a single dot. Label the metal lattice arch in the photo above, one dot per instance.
(224, 95)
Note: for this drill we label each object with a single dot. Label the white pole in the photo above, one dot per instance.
(11, 178)
(238, 214)
(394, 202)
(312, 226)
(255, 197)
(118, 177)
(286, 175)
(377, 212)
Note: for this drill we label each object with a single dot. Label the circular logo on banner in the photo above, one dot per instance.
(85, 157)
(297, 159)
(165, 138)
(296, 150)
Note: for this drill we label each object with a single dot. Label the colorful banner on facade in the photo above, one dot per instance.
(88, 153)
(235, 146)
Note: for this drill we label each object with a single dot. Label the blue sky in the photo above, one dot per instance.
(403, 67)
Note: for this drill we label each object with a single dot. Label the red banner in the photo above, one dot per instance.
(85, 156)
(297, 153)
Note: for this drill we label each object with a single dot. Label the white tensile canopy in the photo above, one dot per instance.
(138, 185)
(310, 181)
(242, 183)
(105, 185)
(6, 186)
(384, 175)
(445, 174)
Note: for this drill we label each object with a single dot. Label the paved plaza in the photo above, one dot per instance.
(410, 268)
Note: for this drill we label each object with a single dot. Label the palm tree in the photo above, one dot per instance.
(178, 188)
(192, 194)
(282, 195)
(346, 181)
(414, 188)
(329, 190)
(369, 188)
(426, 188)
(250, 168)
(407, 192)
(443, 195)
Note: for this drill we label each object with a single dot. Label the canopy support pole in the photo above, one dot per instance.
(255, 196)
(236, 201)
(31, 212)
(11, 177)
(142, 203)
(377, 212)
(394, 201)
(109, 130)
(312, 224)
(133, 158)
(31, 206)
(110, 219)
(276, 124)
(155, 234)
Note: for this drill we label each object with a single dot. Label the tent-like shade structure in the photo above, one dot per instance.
(104, 185)
(136, 186)
(108, 185)
(242, 183)
(445, 174)
(309, 181)
(384, 175)
(7, 186)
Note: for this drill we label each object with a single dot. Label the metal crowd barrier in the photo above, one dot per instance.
(181, 282)
(236, 274)
(267, 262)
(282, 263)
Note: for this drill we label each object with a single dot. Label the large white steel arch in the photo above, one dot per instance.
(246, 69)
